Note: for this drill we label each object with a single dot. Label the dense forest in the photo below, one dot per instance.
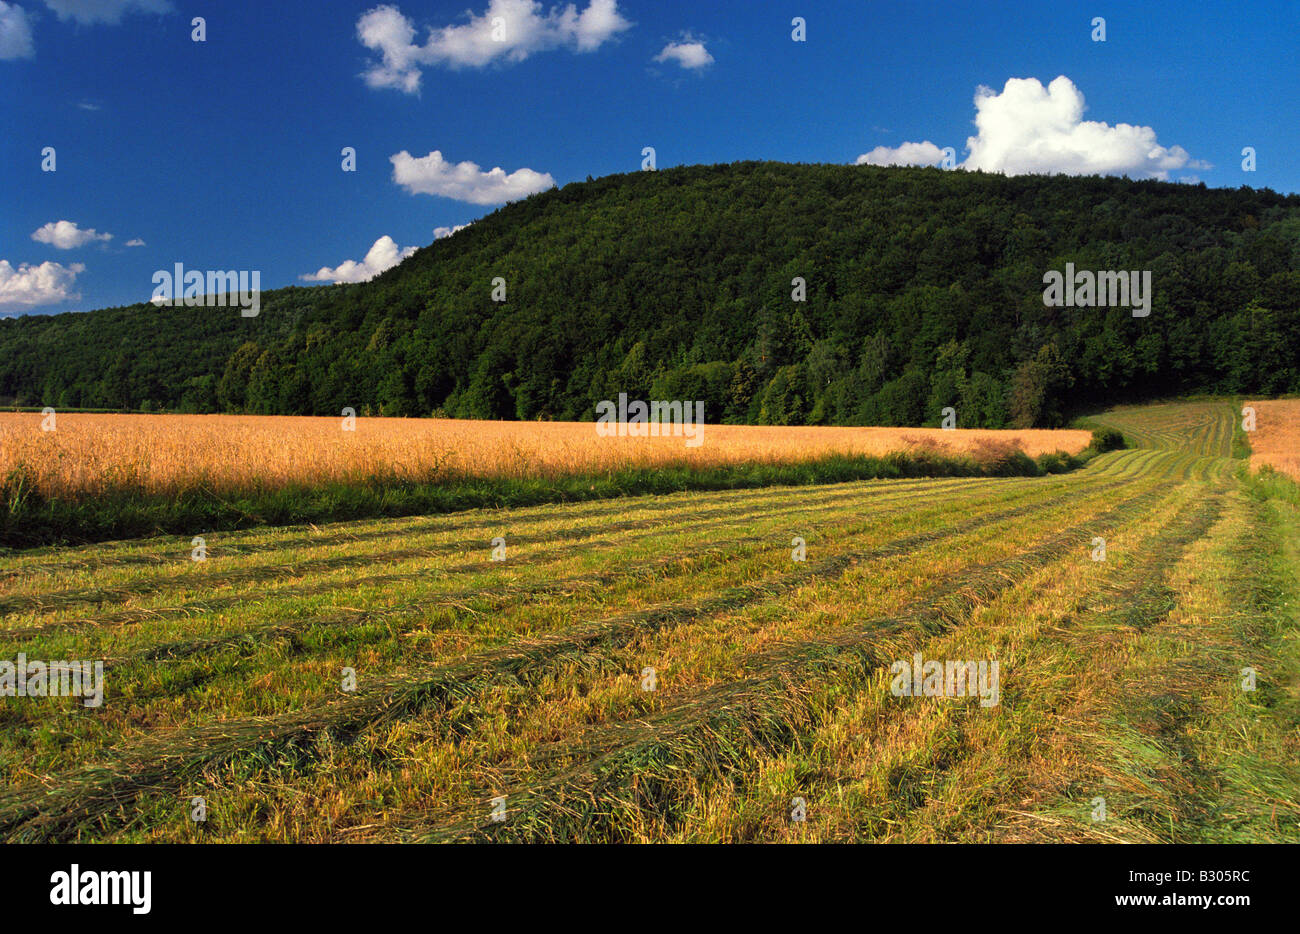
(924, 289)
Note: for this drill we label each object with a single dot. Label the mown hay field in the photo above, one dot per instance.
(665, 668)
(1204, 427)
(163, 454)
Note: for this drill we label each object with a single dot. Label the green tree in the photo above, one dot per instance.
(783, 399)
(232, 389)
(1037, 389)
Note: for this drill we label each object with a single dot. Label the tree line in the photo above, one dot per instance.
(922, 289)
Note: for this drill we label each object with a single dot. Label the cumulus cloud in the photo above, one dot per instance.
(465, 181)
(1028, 128)
(509, 30)
(88, 12)
(689, 53)
(1031, 128)
(382, 256)
(15, 32)
(906, 154)
(136, 242)
(440, 232)
(66, 235)
(30, 286)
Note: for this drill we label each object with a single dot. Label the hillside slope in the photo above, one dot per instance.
(924, 289)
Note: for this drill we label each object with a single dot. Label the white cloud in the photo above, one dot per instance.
(382, 256)
(136, 242)
(689, 53)
(596, 24)
(440, 232)
(465, 181)
(29, 286)
(15, 32)
(1029, 128)
(65, 235)
(509, 30)
(16, 29)
(906, 154)
(87, 12)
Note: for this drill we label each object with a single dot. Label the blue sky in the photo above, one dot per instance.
(226, 154)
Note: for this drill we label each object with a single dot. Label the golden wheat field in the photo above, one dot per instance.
(1276, 438)
(86, 453)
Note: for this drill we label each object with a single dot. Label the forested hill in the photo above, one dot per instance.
(924, 290)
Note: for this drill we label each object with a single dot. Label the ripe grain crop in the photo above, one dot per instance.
(89, 454)
(1276, 439)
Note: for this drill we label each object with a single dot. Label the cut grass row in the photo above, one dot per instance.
(383, 698)
(1177, 746)
(218, 573)
(278, 590)
(91, 639)
(892, 769)
(676, 547)
(726, 726)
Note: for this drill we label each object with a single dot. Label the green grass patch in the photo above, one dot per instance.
(1267, 483)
